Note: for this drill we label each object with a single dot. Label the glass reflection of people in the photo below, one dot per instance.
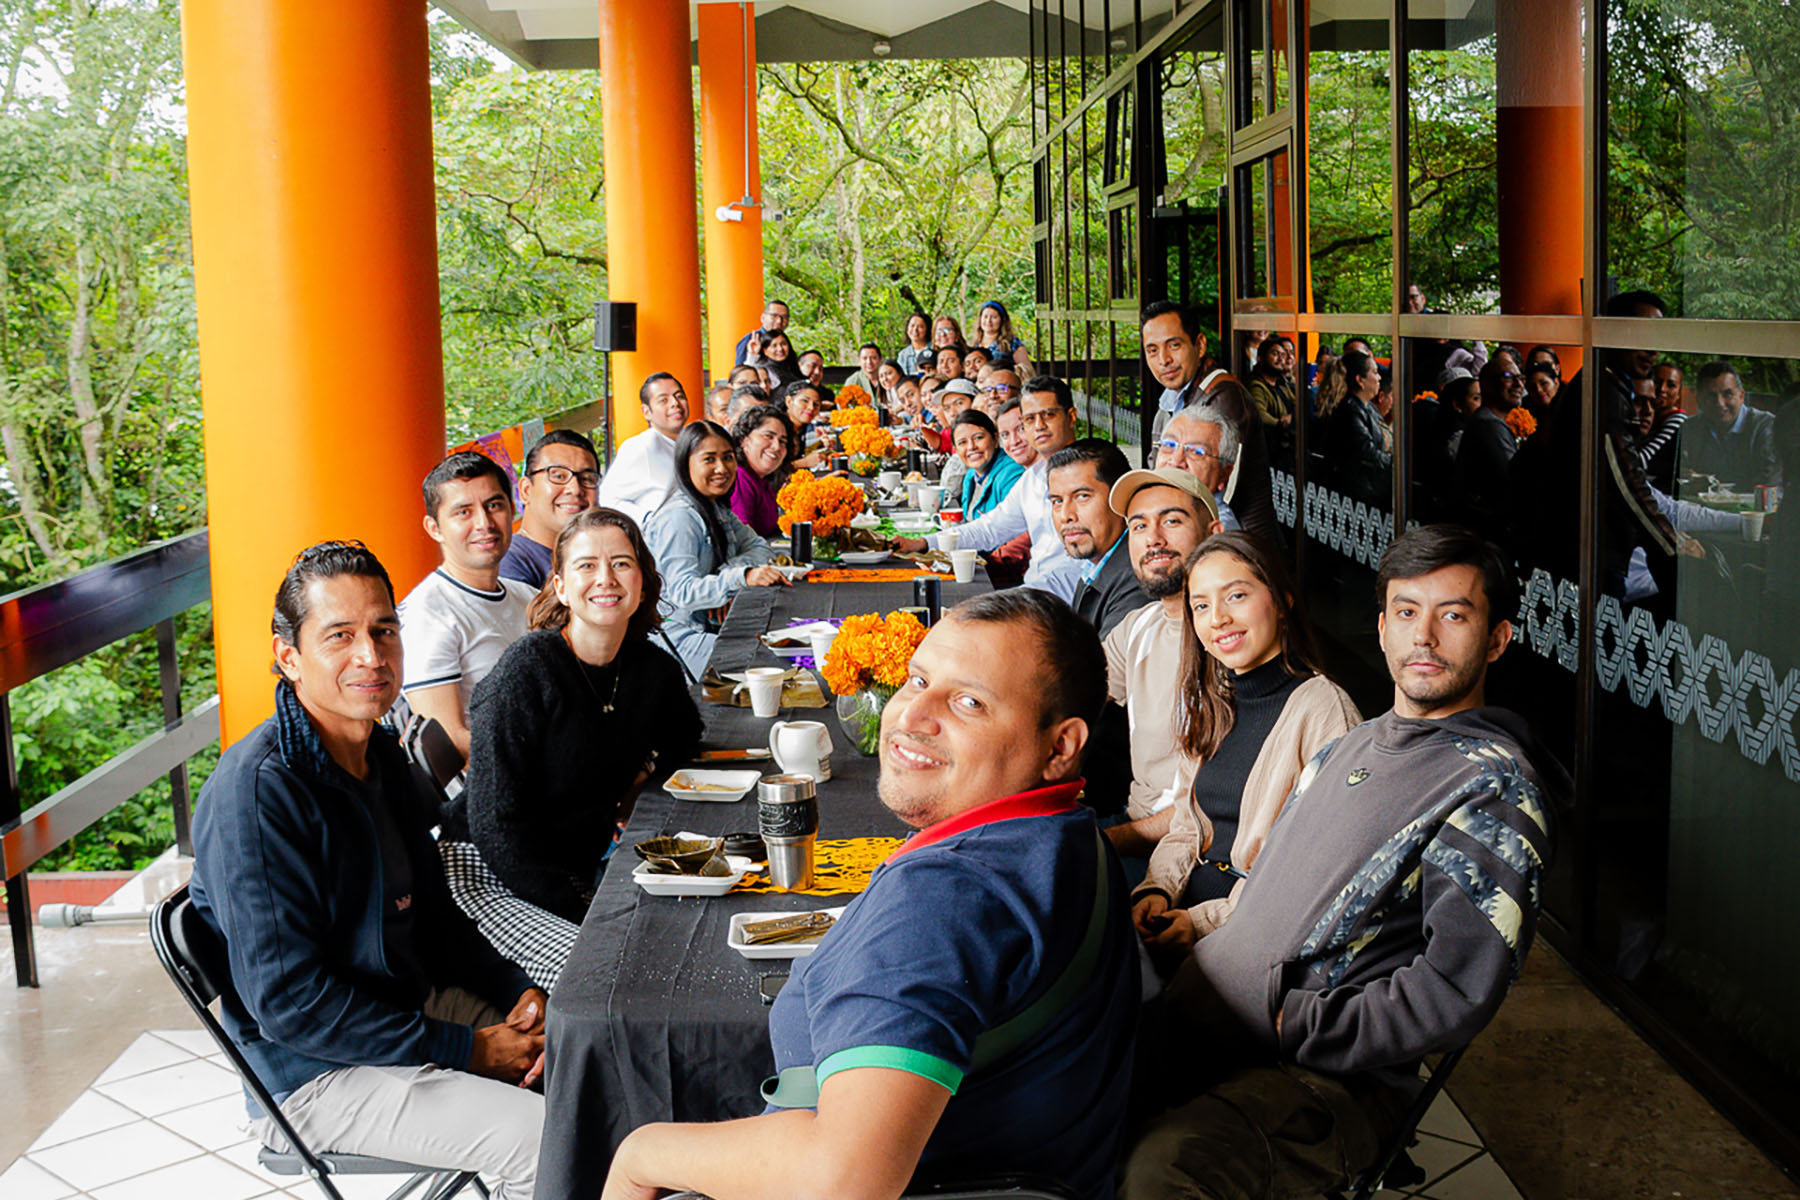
(1659, 450)
(1783, 561)
(1272, 391)
(1361, 450)
(1488, 444)
(1549, 491)
(1732, 442)
(1542, 383)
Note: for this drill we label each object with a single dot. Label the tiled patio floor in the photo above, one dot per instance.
(165, 1120)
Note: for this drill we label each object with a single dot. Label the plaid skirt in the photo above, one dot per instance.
(538, 941)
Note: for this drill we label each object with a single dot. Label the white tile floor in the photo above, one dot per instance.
(166, 1122)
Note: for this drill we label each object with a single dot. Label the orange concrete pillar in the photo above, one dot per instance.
(1538, 78)
(315, 264)
(731, 168)
(652, 250)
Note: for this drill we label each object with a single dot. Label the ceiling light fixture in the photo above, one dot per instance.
(883, 48)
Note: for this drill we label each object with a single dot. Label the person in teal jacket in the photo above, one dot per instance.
(991, 474)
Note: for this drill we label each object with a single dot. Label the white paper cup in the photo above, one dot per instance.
(914, 488)
(930, 499)
(963, 563)
(764, 685)
(1752, 523)
(947, 539)
(821, 646)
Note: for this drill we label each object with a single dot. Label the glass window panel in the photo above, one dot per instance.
(1123, 252)
(1344, 506)
(1192, 161)
(1253, 229)
(1703, 155)
(1697, 655)
(1349, 172)
(1093, 199)
(1262, 59)
(1453, 162)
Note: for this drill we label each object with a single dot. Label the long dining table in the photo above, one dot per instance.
(655, 1017)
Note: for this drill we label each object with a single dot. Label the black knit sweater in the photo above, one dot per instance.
(548, 766)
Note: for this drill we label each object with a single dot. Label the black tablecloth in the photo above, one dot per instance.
(655, 1018)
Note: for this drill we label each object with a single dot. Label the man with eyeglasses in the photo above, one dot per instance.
(643, 474)
(774, 320)
(993, 389)
(1203, 441)
(1047, 412)
(562, 475)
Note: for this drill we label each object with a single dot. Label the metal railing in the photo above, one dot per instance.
(55, 624)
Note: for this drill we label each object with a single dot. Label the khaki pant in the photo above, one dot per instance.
(430, 1115)
(1263, 1134)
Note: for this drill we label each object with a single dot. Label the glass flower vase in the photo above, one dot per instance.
(860, 715)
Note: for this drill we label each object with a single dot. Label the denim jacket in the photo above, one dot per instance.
(694, 581)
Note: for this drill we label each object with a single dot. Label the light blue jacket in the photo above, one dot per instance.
(694, 582)
(983, 497)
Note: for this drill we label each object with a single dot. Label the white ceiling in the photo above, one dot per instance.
(553, 34)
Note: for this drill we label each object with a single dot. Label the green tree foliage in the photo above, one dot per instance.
(521, 235)
(99, 397)
(99, 388)
(899, 183)
(1703, 162)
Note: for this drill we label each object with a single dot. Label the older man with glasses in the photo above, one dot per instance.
(1203, 441)
(562, 477)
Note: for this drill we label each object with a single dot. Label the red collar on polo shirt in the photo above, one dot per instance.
(1039, 802)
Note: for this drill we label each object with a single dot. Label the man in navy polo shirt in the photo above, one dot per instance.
(973, 1011)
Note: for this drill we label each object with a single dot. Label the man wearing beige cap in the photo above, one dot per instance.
(1168, 513)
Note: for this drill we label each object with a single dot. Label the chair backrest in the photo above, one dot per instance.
(194, 956)
(437, 765)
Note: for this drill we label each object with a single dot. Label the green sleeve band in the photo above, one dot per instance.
(896, 1058)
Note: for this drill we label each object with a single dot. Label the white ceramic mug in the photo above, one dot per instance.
(764, 685)
(963, 563)
(888, 481)
(931, 499)
(802, 748)
(948, 537)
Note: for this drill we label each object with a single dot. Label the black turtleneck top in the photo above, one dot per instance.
(1261, 693)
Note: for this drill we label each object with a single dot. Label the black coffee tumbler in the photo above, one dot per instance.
(800, 543)
(915, 461)
(928, 595)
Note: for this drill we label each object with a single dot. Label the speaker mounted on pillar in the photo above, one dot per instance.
(615, 325)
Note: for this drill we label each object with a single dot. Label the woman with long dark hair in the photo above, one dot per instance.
(916, 355)
(577, 716)
(763, 436)
(707, 555)
(1252, 710)
(777, 359)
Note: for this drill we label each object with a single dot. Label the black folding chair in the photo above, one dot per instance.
(1396, 1168)
(194, 957)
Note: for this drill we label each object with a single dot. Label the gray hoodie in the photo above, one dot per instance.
(1393, 905)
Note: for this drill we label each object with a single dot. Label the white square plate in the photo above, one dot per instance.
(735, 938)
(683, 785)
(659, 884)
(864, 558)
